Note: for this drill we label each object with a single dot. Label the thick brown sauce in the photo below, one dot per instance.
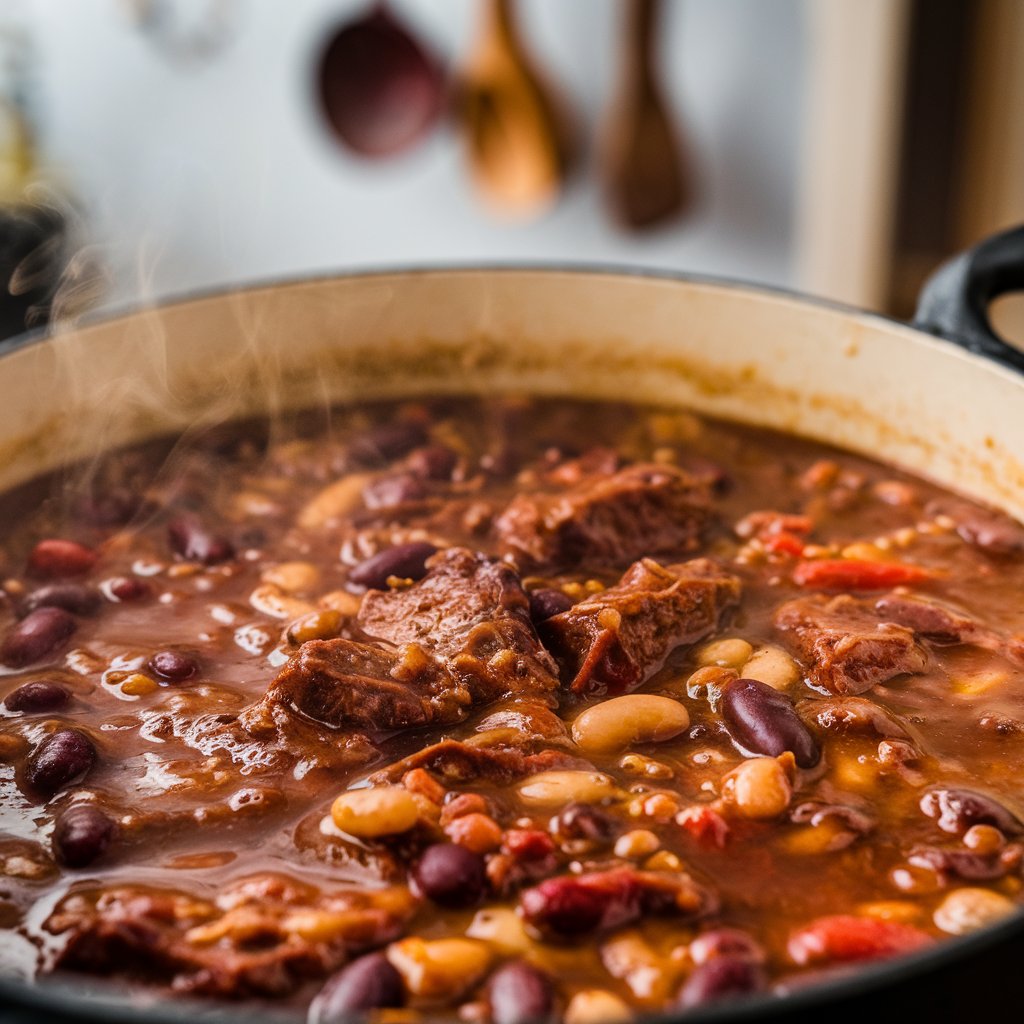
(182, 826)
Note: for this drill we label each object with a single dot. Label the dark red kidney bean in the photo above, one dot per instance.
(546, 602)
(390, 491)
(38, 634)
(57, 559)
(113, 508)
(386, 442)
(61, 758)
(520, 994)
(729, 942)
(992, 532)
(763, 721)
(721, 977)
(956, 810)
(81, 835)
(450, 875)
(367, 983)
(573, 905)
(126, 589)
(582, 821)
(37, 696)
(405, 561)
(192, 540)
(174, 666)
(72, 597)
(433, 462)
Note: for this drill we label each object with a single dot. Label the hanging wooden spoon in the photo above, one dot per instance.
(518, 136)
(380, 89)
(645, 177)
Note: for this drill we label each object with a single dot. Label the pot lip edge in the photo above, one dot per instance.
(859, 980)
(575, 268)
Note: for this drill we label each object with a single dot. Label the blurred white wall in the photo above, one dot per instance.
(196, 175)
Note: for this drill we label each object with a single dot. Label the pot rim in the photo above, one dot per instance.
(582, 268)
(92, 999)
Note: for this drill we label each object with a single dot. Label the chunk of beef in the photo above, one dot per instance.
(264, 739)
(844, 643)
(857, 715)
(341, 683)
(529, 722)
(456, 762)
(254, 939)
(926, 618)
(618, 637)
(471, 614)
(941, 625)
(608, 519)
(459, 638)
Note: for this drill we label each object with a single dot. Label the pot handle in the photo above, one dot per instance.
(955, 299)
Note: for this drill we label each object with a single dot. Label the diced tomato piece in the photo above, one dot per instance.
(856, 574)
(764, 524)
(784, 544)
(528, 844)
(706, 825)
(845, 938)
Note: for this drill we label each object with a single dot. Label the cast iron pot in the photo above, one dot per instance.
(944, 398)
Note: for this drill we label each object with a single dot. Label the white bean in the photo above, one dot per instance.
(773, 666)
(622, 721)
(969, 909)
(554, 789)
(379, 811)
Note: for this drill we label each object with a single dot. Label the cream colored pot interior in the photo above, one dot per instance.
(853, 380)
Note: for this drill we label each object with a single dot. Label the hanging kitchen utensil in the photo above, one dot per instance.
(518, 135)
(645, 177)
(37, 233)
(186, 32)
(380, 89)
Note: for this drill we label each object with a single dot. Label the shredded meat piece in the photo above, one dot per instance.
(942, 625)
(992, 532)
(608, 519)
(459, 638)
(261, 936)
(618, 637)
(457, 762)
(851, 714)
(343, 683)
(960, 864)
(472, 615)
(530, 723)
(845, 645)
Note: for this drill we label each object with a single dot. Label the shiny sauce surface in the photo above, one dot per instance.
(507, 709)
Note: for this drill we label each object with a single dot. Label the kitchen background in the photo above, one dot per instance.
(841, 147)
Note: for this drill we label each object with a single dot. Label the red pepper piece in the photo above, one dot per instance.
(784, 544)
(706, 825)
(844, 938)
(856, 574)
(528, 844)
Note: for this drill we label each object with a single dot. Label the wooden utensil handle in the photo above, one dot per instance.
(642, 23)
(498, 19)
